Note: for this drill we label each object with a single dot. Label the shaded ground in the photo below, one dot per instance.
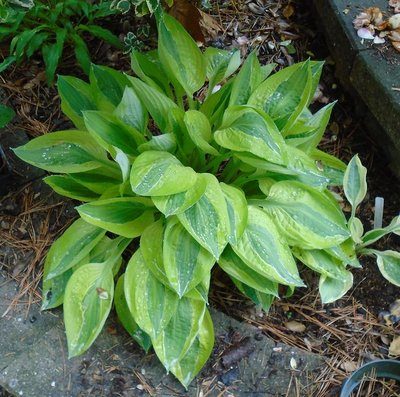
(349, 331)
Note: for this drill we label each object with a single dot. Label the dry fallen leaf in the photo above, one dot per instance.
(189, 16)
(396, 45)
(394, 348)
(209, 25)
(295, 326)
(349, 366)
(288, 11)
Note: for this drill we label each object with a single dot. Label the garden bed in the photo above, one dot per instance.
(348, 332)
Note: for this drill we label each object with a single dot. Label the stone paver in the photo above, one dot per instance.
(34, 363)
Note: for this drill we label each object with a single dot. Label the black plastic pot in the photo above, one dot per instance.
(388, 369)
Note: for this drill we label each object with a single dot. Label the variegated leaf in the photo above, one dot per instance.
(197, 355)
(125, 216)
(307, 217)
(264, 250)
(157, 173)
(87, 303)
(186, 262)
(237, 211)
(207, 220)
(237, 269)
(177, 337)
(151, 304)
(126, 318)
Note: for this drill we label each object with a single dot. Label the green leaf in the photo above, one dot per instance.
(162, 143)
(356, 229)
(186, 262)
(109, 130)
(81, 53)
(215, 105)
(355, 183)
(207, 220)
(151, 246)
(63, 151)
(158, 104)
(131, 111)
(52, 54)
(68, 187)
(247, 80)
(262, 248)
(374, 235)
(245, 129)
(87, 303)
(321, 262)
(220, 64)
(180, 55)
(345, 253)
(332, 167)
(124, 216)
(73, 245)
(284, 95)
(178, 336)
(332, 289)
(21, 42)
(238, 270)
(199, 130)
(178, 203)
(76, 97)
(261, 299)
(197, 355)
(308, 134)
(7, 62)
(6, 115)
(36, 42)
(149, 69)
(53, 289)
(126, 318)
(156, 173)
(151, 304)
(99, 180)
(108, 86)
(237, 211)
(306, 217)
(389, 265)
(103, 34)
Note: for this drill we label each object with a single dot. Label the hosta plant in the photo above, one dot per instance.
(194, 164)
(48, 26)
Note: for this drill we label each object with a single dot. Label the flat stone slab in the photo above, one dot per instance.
(367, 72)
(34, 363)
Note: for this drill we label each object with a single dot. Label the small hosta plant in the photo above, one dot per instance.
(48, 26)
(202, 165)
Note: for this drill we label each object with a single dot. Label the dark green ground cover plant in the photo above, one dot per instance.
(6, 115)
(48, 26)
(194, 163)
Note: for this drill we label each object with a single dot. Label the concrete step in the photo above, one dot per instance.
(369, 72)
